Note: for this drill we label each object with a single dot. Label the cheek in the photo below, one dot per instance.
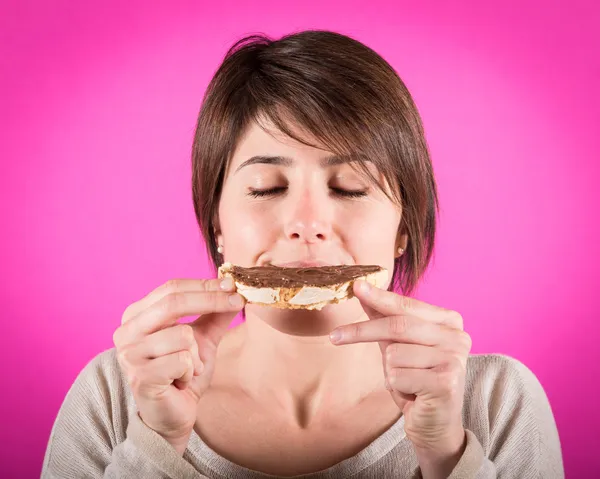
(247, 232)
(371, 235)
(255, 227)
(372, 225)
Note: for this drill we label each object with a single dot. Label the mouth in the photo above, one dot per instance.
(300, 264)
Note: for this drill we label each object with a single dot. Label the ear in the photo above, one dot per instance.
(216, 227)
(218, 238)
(401, 242)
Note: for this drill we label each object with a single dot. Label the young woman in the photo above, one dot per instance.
(308, 150)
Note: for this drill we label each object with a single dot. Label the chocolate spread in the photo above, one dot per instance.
(278, 277)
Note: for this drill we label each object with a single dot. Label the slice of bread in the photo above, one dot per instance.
(300, 288)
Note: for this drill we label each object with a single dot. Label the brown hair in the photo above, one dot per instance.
(347, 98)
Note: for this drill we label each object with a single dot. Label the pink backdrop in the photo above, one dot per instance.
(98, 110)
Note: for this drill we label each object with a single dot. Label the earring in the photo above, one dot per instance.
(400, 251)
(220, 249)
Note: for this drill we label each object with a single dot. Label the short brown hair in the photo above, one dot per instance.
(347, 98)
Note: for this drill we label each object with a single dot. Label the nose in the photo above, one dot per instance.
(309, 222)
(308, 231)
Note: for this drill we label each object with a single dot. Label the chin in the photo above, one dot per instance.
(304, 322)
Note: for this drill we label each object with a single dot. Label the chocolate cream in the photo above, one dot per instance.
(279, 277)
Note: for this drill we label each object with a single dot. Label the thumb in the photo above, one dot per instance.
(210, 328)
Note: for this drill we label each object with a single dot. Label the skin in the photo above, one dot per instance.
(303, 211)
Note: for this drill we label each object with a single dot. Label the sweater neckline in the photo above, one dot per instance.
(372, 453)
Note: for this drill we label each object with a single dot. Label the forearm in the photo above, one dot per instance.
(147, 450)
(466, 462)
(438, 462)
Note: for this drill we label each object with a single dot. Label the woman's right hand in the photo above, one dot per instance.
(169, 365)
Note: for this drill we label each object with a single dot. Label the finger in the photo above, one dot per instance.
(213, 326)
(198, 364)
(399, 355)
(167, 341)
(170, 308)
(163, 371)
(176, 286)
(440, 382)
(400, 329)
(379, 303)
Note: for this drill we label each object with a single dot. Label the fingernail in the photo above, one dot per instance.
(364, 287)
(236, 300)
(199, 369)
(335, 336)
(227, 283)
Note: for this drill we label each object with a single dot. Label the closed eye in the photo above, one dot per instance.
(282, 189)
(268, 192)
(349, 193)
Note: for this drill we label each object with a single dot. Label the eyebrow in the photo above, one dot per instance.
(331, 160)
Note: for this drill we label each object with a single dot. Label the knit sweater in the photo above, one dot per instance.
(511, 433)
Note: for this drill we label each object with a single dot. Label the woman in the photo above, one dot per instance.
(308, 150)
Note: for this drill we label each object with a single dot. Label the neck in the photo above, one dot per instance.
(288, 361)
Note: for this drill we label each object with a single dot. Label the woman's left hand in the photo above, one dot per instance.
(425, 352)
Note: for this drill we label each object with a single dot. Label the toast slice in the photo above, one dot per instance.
(300, 288)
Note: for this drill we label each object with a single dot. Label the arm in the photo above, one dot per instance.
(95, 436)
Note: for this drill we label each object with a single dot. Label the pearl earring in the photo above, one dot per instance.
(220, 249)
(400, 251)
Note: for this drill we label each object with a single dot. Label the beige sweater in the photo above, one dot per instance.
(511, 433)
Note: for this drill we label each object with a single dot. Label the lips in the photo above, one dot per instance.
(301, 264)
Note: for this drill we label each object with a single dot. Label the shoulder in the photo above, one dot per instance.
(503, 386)
(100, 387)
(91, 421)
(101, 396)
(507, 409)
(490, 375)
(497, 367)
(104, 363)
(102, 373)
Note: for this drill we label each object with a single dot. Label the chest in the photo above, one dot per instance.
(248, 435)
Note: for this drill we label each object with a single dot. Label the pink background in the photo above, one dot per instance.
(98, 109)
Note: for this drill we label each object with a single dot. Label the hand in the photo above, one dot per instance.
(169, 365)
(425, 352)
